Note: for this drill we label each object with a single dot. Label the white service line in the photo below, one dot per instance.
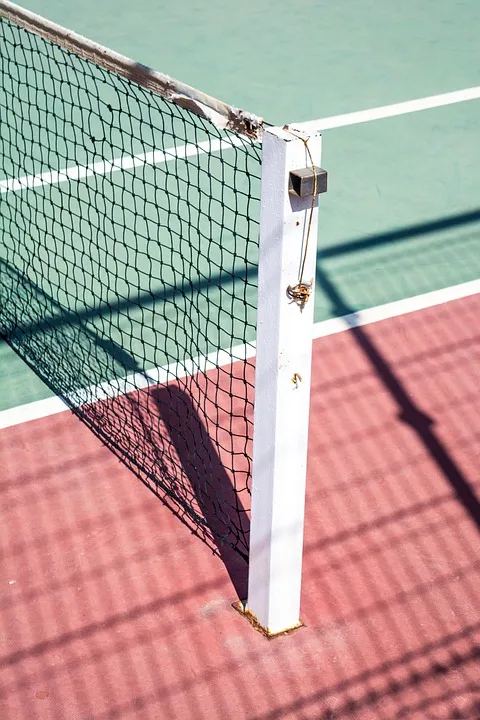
(156, 157)
(128, 162)
(54, 405)
(387, 111)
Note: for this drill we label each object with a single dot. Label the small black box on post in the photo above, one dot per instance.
(302, 182)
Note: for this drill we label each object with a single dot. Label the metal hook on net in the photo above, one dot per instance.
(300, 293)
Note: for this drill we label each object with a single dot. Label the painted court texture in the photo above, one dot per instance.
(111, 609)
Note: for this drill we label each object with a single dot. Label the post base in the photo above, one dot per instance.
(241, 607)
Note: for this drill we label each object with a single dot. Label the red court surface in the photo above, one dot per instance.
(112, 609)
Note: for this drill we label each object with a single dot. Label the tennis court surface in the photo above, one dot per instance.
(112, 609)
(132, 266)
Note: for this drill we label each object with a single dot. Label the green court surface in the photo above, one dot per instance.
(402, 213)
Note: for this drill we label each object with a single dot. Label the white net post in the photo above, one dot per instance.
(288, 243)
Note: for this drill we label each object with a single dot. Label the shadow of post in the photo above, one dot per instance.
(422, 424)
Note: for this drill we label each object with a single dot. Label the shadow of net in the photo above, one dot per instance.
(129, 231)
(391, 562)
(163, 433)
(390, 568)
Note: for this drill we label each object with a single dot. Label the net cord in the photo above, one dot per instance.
(222, 115)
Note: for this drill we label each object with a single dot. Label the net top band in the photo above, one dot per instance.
(222, 115)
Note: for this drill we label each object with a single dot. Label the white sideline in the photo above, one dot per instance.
(388, 111)
(128, 162)
(53, 405)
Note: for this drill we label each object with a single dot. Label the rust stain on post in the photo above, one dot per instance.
(240, 607)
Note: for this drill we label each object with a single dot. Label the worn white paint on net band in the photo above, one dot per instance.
(387, 111)
(221, 114)
(53, 405)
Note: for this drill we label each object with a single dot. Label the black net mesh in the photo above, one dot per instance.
(128, 259)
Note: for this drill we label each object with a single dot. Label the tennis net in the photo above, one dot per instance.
(129, 242)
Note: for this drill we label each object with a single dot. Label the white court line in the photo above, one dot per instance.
(396, 308)
(128, 162)
(120, 386)
(156, 157)
(387, 111)
(114, 388)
